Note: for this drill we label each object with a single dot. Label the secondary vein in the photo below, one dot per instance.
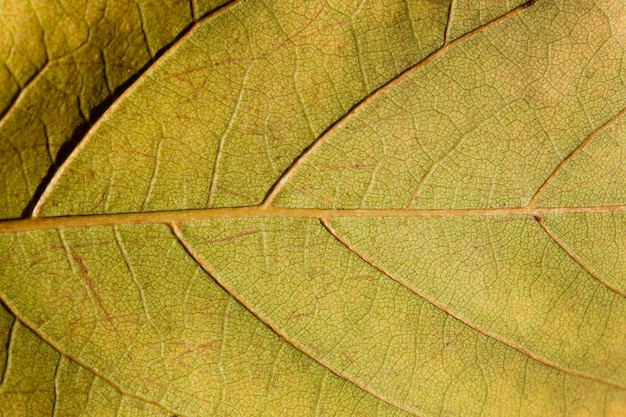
(20, 319)
(459, 317)
(280, 183)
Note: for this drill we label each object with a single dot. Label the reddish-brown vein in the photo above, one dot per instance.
(457, 316)
(212, 273)
(278, 185)
(84, 273)
(172, 48)
(23, 320)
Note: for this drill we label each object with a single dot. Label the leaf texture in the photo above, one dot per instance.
(331, 208)
(61, 64)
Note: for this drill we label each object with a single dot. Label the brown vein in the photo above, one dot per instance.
(577, 259)
(189, 248)
(278, 185)
(462, 319)
(23, 320)
(155, 63)
(178, 216)
(569, 157)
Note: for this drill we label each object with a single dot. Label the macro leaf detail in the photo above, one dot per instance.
(402, 208)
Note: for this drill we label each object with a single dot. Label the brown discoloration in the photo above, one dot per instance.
(207, 348)
(306, 25)
(232, 237)
(241, 60)
(212, 345)
(300, 315)
(85, 275)
(326, 287)
(364, 277)
(103, 197)
(228, 191)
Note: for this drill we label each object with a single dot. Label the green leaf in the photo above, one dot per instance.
(319, 208)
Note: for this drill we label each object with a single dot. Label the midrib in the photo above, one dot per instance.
(182, 216)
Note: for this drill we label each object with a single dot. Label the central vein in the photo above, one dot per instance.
(181, 216)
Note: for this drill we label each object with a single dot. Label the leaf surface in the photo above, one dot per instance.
(337, 208)
(61, 65)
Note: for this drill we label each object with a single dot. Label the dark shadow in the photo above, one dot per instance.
(96, 113)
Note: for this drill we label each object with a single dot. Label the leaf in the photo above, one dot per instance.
(61, 64)
(325, 208)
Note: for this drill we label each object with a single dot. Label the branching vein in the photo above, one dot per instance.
(279, 185)
(212, 273)
(457, 316)
(24, 321)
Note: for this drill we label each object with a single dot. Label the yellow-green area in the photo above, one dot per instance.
(137, 321)
(483, 125)
(507, 277)
(378, 332)
(467, 15)
(217, 122)
(606, 258)
(596, 176)
(313, 208)
(61, 64)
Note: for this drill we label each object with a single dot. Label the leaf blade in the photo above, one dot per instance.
(217, 346)
(395, 309)
(478, 127)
